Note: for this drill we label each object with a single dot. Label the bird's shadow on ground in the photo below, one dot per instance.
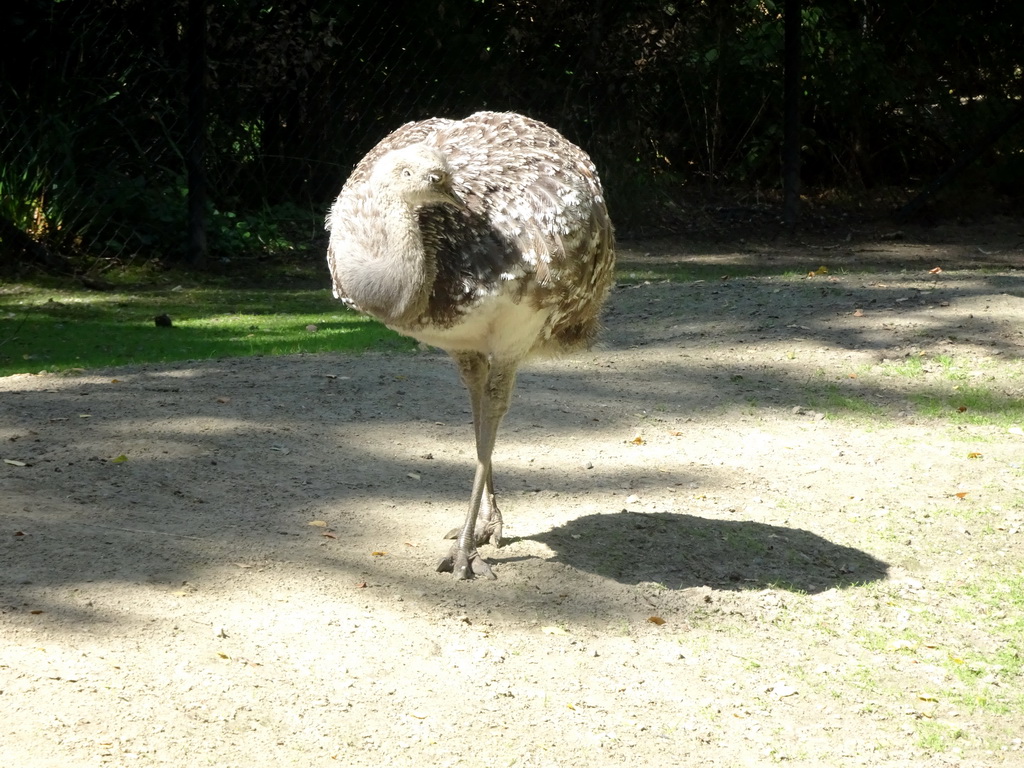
(679, 551)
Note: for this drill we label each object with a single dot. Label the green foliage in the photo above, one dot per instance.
(36, 193)
(672, 99)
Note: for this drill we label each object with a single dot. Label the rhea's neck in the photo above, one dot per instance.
(395, 277)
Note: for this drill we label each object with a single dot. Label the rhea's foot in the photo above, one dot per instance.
(488, 528)
(465, 565)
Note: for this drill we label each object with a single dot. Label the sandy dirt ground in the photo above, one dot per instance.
(735, 537)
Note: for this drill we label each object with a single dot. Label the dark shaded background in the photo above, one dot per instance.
(680, 104)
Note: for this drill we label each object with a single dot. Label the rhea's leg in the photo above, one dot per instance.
(475, 369)
(490, 389)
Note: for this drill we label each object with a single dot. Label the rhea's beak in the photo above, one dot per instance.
(441, 191)
(449, 196)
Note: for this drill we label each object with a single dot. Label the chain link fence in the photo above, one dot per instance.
(674, 100)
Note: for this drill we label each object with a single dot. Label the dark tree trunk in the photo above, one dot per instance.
(791, 115)
(196, 132)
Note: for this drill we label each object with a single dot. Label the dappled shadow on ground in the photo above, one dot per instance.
(679, 551)
(848, 312)
(855, 246)
(249, 542)
(229, 461)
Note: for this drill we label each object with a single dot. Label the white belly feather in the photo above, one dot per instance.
(497, 327)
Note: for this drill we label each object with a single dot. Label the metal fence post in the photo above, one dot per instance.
(196, 132)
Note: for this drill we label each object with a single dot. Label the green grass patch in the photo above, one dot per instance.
(942, 367)
(969, 405)
(941, 387)
(62, 328)
(979, 680)
(938, 737)
(632, 272)
(953, 370)
(832, 398)
(629, 272)
(989, 678)
(948, 395)
(911, 367)
(1004, 597)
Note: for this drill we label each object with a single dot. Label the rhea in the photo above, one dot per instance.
(486, 237)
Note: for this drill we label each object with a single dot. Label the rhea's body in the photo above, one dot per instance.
(489, 238)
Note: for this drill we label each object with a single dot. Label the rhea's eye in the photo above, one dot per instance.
(406, 173)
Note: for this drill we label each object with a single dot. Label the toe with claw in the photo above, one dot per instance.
(465, 564)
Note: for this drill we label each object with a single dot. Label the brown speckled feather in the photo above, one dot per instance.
(533, 225)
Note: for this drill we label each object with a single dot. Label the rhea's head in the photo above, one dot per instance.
(418, 174)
